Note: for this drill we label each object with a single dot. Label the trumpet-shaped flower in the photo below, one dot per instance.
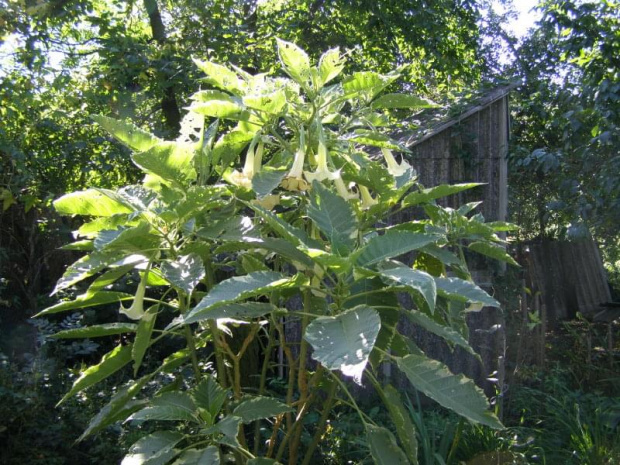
(294, 181)
(322, 171)
(253, 163)
(367, 200)
(395, 169)
(343, 190)
(136, 311)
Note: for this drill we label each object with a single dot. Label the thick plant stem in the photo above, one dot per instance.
(189, 337)
(322, 424)
(302, 375)
(191, 345)
(263, 382)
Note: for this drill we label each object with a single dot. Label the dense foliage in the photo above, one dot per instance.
(207, 205)
(306, 214)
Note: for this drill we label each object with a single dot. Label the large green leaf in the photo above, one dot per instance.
(208, 456)
(402, 421)
(155, 449)
(265, 181)
(229, 146)
(294, 60)
(133, 240)
(415, 279)
(366, 84)
(331, 65)
(111, 362)
(391, 244)
(443, 190)
(334, 216)
(119, 408)
(170, 406)
(239, 288)
(171, 161)
(375, 139)
(383, 447)
(295, 236)
(221, 76)
(185, 272)
(93, 202)
(89, 299)
(142, 340)
(344, 342)
(402, 101)
(270, 103)
(130, 135)
(494, 251)
(107, 329)
(216, 104)
(455, 392)
(372, 292)
(260, 407)
(209, 396)
(464, 291)
(243, 310)
(273, 244)
(445, 331)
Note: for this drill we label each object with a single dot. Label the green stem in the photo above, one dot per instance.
(215, 332)
(346, 391)
(189, 336)
(455, 442)
(322, 424)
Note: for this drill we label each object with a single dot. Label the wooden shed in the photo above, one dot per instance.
(471, 147)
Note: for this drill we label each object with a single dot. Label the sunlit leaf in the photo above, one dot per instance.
(155, 449)
(294, 60)
(93, 202)
(171, 161)
(185, 272)
(402, 101)
(221, 76)
(344, 342)
(217, 104)
(130, 135)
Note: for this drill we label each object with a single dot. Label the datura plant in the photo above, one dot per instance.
(279, 190)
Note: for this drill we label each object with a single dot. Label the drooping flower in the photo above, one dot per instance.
(395, 169)
(294, 181)
(136, 311)
(367, 200)
(322, 171)
(252, 165)
(343, 190)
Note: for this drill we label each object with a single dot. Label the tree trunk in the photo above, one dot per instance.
(169, 105)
